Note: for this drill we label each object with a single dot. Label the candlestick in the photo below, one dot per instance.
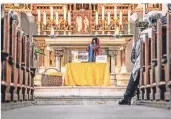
(108, 18)
(96, 18)
(38, 15)
(69, 18)
(120, 18)
(102, 12)
(44, 18)
(52, 31)
(65, 13)
(115, 12)
(57, 18)
(129, 15)
(51, 13)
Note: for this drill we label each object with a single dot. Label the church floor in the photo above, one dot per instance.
(87, 112)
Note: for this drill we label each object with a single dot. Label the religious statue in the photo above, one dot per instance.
(79, 23)
(93, 49)
(86, 24)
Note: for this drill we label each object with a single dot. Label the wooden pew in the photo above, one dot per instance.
(155, 78)
(168, 65)
(5, 77)
(17, 77)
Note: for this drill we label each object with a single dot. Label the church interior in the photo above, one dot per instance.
(44, 49)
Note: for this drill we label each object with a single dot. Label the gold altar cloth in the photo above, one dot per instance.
(87, 74)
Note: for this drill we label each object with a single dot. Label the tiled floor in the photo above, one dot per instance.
(87, 112)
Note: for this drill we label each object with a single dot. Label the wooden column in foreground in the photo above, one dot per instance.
(168, 65)
(158, 73)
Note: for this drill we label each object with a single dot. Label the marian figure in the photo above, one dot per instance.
(93, 49)
(79, 23)
(86, 24)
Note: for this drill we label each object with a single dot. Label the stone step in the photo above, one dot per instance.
(77, 100)
(79, 91)
(78, 95)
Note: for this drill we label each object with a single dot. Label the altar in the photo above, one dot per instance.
(87, 74)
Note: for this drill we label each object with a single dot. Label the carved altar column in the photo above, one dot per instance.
(112, 64)
(58, 54)
(113, 54)
(123, 67)
(118, 62)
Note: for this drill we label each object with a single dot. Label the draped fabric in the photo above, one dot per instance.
(87, 74)
(135, 58)
(96, 48)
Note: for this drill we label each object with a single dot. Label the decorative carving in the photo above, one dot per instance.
(59, 53)
(18, 7)
(82, 21)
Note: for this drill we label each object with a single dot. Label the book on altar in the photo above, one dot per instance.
(101, 58)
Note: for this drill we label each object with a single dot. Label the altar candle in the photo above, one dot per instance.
(51, 13)
(69, 18)
(115, 12)
(38, 15)
(102, 12)
(120, 17)
(44, 18)
(65, 13)
(108, 18)
(129, 13)
(96, 18)
(57, 18)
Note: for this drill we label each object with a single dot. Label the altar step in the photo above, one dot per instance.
(78, 95)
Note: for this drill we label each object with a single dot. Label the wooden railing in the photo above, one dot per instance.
(155, 78)
(17, 74)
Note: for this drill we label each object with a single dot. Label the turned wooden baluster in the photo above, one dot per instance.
(19, 52)
(14, 51)
(146, 65)
(26, 68)
(168, 65)
(159, 52)
(152, 73)
(7, 65)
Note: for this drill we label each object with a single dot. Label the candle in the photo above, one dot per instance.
(129, 17)
(38, 15)
(108, 18)
(44, 18)
(69, 18)
(51, 13)
(57, 18)
(102, 12)
(129, 14)
(96, 18)
(115, 12)
(65, 13)
(120, 17)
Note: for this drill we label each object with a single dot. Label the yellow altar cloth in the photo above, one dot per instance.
(87, 74)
